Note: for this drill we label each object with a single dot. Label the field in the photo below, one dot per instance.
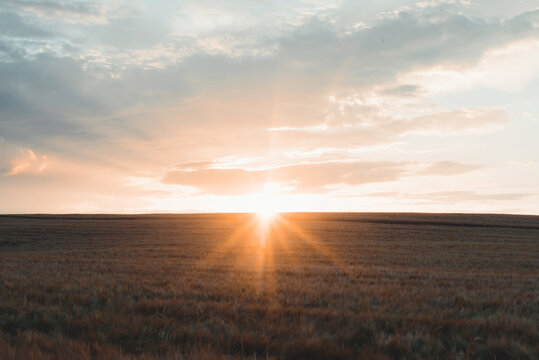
(300, 286)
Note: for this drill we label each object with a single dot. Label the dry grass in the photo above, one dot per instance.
(373, 286)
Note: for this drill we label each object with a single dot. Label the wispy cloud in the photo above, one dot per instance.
(304, 177)
(456, 196)
(17, 160)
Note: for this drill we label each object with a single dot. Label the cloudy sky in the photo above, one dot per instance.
(299, 105)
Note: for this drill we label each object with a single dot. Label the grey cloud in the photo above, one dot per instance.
(11, 24)
(131, 33)
(315, 59)
(10, 53)
(80, 7)
(403, 90)
(395, 45)
(61, 10)
(7, 153)
(50, 96)
(43, 98)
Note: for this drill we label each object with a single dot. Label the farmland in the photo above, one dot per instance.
(300, 286)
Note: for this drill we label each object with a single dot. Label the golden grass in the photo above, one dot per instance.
(339, 286)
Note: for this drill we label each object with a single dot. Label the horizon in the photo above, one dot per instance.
(255, 213)
(208, 107)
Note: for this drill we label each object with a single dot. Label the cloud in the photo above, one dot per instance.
(454, 196)
(15, 160)
(445, 168)
(132, 33)
(403, 90)
(489, 72)
(367, 125)
(50, 99)
(286, 88)
(303, 177)
(12, 25)
(307, 177)
(397, 45)
(65, 11)
(44, 99)
(460, 121)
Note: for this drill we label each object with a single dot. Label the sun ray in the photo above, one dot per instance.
(314, 243)
(245, 230)
(258, 247)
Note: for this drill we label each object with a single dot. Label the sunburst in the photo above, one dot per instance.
(260, 241)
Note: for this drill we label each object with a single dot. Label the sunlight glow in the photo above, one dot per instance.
(267, 203)
(266, 215)
(265, 219)
(260, 244)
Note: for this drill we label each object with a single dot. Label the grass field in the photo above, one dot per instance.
(302, 286)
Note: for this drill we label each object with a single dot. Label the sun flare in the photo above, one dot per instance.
(266, 209)
(265, 219)
(267, 203)
(266, 215)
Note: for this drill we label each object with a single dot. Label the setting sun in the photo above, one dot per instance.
(266, 215)
(266, 203)
(265, 219)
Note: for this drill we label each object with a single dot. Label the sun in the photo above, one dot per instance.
(266, 215)
(265, 207)
(266, 203)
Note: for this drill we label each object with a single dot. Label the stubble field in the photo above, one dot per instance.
(299, 286)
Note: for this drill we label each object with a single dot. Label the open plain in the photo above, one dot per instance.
(296, 286)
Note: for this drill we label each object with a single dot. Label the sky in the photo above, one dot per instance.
(293, 105)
